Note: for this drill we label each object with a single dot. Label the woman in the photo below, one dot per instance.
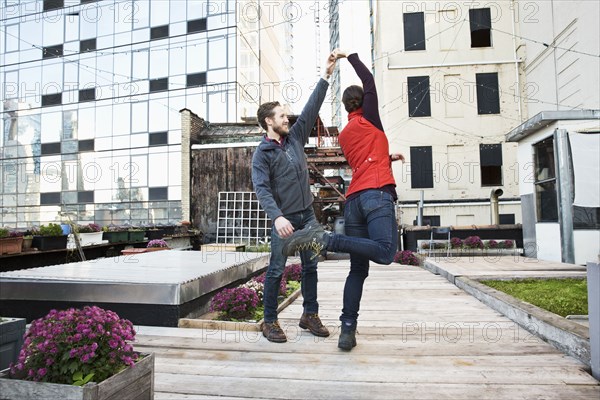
(369, 212)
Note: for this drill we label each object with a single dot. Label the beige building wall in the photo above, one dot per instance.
(454, 130)
(564, 73)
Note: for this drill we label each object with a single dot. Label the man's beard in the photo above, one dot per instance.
(281, 130)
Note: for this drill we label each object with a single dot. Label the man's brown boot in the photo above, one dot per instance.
(273, 332)
(312, 322)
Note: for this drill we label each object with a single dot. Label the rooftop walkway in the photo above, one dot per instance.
(420, 337)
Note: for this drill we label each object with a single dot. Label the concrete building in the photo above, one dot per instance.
(91, 93)
(559, 145)
(449, 80)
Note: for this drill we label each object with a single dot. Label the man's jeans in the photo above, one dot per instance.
(277, 265)
(371, 234)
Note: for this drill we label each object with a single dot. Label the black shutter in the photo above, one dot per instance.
(196, 25)
(156, 85)
(158, 138)
(198, 79)
(490, 155)
(53, 51)
(421, 167)
(50, 148)
(53, 4)
(481, 27)
(85, 196)
(414, 31)
(50, 198)
(87, 95)
(418, 96)
(488, 94)
(51, 99)
(158, 193)
(86, 145)
(159, 32)
(87, 45)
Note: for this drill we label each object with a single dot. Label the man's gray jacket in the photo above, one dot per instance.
(280, 174)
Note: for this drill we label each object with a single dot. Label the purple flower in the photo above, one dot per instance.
(406, 257)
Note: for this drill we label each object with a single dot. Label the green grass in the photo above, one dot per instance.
(559, 296)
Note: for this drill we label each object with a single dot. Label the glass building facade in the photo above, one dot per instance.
(91, 94)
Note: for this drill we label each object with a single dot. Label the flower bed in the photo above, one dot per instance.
(472, 245)
(241, 308)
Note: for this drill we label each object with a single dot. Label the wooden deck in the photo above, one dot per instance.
(419, 337)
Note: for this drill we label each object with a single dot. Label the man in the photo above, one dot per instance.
(280, 178)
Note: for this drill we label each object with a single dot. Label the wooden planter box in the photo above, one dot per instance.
(155, 234)
(90, 238)
(116, 237)
(135, 383)
(11, 245)
(136, 236)
(11, 340)
(43, 243)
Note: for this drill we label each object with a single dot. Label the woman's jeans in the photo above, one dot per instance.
(371, 234)
(277, 265)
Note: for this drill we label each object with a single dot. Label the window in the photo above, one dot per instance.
(86, 145)
(488, 95)
(421, 167)
(50, 148)
(156, 85)
(86, 196)
(414, 31)
(418, 96)
(545, 181)
(431, 220)
(586, 217)
(490, 161)
(158, 138)
(87, 95)
(87, 45)
(49, 198)
(198, 79)
(159, 32)
(51, 99)
(53, 4)
(507, 219)
(158, 193)
(52, 51)
(196, 25)
(481, 27)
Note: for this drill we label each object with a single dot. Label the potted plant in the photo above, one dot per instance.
(136, 234)
(49, 237)
(11, 340)
(115, 234)
(11, 242)
(79, 354)
(89, 234)
(153, 245)
(27, 241)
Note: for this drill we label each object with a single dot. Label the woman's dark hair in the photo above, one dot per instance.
(353, 98)
(266, 110)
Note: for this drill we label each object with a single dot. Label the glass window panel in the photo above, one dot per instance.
(71, 28)
(139, 122)
(174, 192)
(103, 114)
(121, 119)
(87, 123)
(159, 12)
(87, 71)
(104, 42)
(53, 29)
(140, 35)
(122, 39)
(103, 196)
(140, 64)
(90, 173)
(104, 180)
(159, 116)
(51, 127)
(11, 38)
(121, 142)
(33, 27)
(197, 8)
(87, 22)
(70, 125)
(69, 175)
(177, 29)
(216, 22)
(158, 67)
(10, 85)
(157, 173)
(122, 67)
(217, 110)
(103, 143)
(177, 12)
(141, 13)
(29, 80)
(52, 77)
(177, 60)
(50, 180)
(216, 77)
(125, 13)
(217, 53)
(139, 170)
(196, 56)
(106, 18)
(174, 169)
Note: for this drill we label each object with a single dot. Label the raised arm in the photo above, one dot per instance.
(370, 101)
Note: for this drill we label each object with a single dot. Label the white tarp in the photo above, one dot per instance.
(585, 148)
